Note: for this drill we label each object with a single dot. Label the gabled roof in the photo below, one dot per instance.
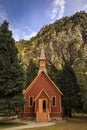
(54, 84)
(41, 93)
(35, 80)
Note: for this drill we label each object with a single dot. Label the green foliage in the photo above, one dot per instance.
(31, 72)
(11, 73)
(67, 81)
(81, 73)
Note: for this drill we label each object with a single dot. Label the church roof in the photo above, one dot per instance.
(41, 93)
(35, 80)
(42, 71)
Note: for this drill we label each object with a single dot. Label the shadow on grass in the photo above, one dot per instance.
(6, 124)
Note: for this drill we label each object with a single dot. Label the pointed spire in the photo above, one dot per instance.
(42, 55)
(42, 61)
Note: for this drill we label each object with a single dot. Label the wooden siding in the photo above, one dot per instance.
(42, 82)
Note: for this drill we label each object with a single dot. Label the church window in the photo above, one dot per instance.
(53, 101)
(30, 101)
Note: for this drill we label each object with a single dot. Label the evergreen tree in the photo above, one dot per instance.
(67, 82)
(11, 74)
(31, 72)
(81, 73)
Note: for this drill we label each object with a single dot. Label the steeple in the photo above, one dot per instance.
(42, 61)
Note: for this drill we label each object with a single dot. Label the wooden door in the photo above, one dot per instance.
(42, 105)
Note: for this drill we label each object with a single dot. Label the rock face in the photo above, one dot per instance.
(64, 40)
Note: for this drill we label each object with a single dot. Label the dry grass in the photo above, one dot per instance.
(66, 124)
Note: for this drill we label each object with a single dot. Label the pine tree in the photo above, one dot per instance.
(67, 81)
(11, 73)
(31, 72)
(82, 81)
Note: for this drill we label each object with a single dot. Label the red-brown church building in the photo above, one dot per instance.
(43, 97)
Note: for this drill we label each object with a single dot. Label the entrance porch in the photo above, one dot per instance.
(42, 113)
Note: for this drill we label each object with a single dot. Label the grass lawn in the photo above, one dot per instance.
(5, 124)
(67, 124)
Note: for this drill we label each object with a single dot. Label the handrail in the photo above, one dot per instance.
(48, 115)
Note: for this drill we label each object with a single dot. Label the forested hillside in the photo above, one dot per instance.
(64, 40)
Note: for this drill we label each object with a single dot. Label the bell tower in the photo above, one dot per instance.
(42, 61)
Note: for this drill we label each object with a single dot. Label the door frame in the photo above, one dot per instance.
(40, 104)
